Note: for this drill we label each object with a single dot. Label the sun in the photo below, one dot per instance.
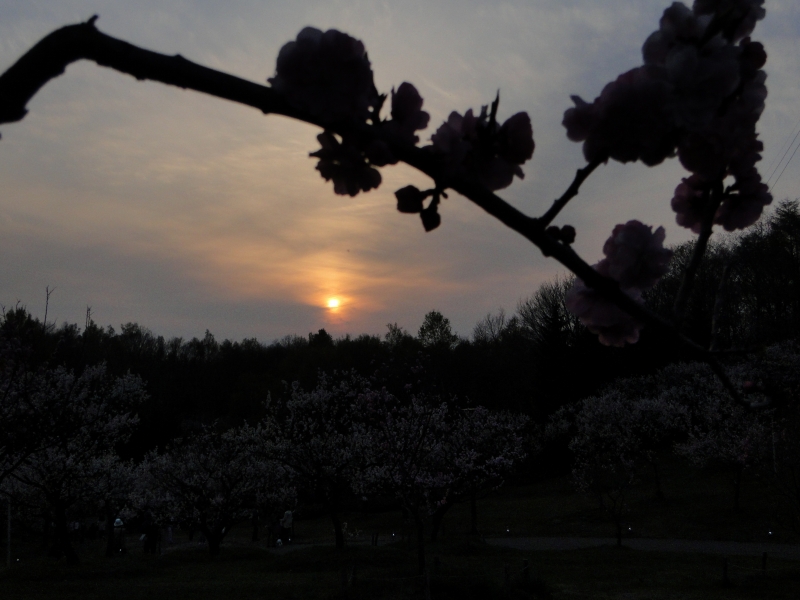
(333, 303)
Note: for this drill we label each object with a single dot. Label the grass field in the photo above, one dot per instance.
(698, 505)
(468, 569)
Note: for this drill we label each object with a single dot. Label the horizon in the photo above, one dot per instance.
(159, 206)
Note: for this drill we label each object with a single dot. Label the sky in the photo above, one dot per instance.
(186, 213)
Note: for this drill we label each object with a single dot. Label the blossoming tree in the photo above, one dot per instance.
(409, 458)
(321, 437)
(77, 460)
(612, 437)
(698, 95)
(497, 442)
(213, 479)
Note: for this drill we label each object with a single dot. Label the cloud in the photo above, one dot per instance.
(185, 212)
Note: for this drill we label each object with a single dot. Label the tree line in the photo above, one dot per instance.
(138, 401)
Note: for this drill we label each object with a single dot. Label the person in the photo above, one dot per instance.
(286, 526)
(119, 536)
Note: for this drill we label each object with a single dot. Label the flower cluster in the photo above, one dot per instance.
(479, 146)
(351, 165)
(407, 113)
(346, 165)
(699, 95)
(636, 259)
(327, 74)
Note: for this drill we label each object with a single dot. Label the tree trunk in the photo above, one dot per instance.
(214, 542)
(337, 529)
(214, 536)
(659, 491)
(420, 542)
(473, 515)
(436, 520)
(737, 486)
(110, 550)
(62, 541)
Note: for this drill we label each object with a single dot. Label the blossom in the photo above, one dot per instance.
(515, 139)
(345, 164)
(678, 23)
(407, 113)
(743, 207)
(328, 74)
(454, 138)
(737, 17)
(479, 147)
(688, 203)
(636, 255)
(636, 259)
(699, 94)
(602, 316)
(630, 120)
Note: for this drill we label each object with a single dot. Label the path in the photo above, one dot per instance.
(785, 551)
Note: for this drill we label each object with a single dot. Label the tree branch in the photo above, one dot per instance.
(50, 57)
(687, 282)
(571, 192)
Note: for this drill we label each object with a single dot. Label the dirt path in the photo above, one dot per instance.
(785, 551)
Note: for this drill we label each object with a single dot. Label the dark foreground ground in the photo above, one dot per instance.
(674, 548)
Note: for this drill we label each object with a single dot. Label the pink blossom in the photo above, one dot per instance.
(515, 139)
(700, 92)
(701, 78)
(630, 120)
(407, 113)
(744, 207)
(636, 255)
(345, 165)
(737, 17)
(476, 146)
(678, 24)
(601, 316)
(753, 57)
(688, 203)
(327, 74)
(454, 138)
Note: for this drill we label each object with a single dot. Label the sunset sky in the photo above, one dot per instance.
(183, 212)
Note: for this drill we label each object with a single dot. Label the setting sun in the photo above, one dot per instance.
(333, 303)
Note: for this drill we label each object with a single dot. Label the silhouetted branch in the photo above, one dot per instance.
(571, 192)
(50, 57)
(687, 282)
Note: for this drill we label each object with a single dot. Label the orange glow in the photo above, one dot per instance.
(333, 303)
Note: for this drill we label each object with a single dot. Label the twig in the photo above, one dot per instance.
(572, 191)
(719, 308)
(687, 283)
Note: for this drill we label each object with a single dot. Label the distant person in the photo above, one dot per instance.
(286, 526)
(119, 536)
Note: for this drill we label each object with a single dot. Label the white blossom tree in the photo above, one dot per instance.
(409, 458)
(213, 479)
(611, 436)
(497, 441)
(320, 436)
(76, 461)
